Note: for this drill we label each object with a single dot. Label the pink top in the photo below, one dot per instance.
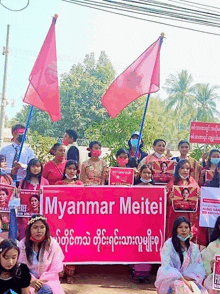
(53, 172)
(151, 158)
(30, 186)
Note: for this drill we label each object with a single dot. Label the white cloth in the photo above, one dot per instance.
(171, 268)
(26, 155)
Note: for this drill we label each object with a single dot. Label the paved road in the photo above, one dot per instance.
(107, 279)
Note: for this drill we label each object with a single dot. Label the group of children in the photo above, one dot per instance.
(94, 171)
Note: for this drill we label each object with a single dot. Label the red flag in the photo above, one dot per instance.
(43, 90)
(141, 77)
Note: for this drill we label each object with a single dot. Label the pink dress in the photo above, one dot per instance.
(30, 186)
(77, 183)
(47, 268)
(53, 172)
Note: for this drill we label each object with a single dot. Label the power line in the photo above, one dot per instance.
(15, 10)
(109, 8)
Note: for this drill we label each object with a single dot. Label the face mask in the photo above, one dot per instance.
(70, 178)
(3, 172)
(65, 142)
(20, 137)
(158, 155)
(96, 153)
(215, 161)
(37, 240)
(0, 230)
(184, 178)
(145, 181)
(183, 239)
(122, 161)
(134, 142)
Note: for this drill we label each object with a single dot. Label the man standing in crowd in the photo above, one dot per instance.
(16, 168)
(69, 140)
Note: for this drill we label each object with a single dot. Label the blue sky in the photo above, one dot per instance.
(80, 31)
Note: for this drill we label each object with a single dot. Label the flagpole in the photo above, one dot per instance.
(31, 110)
(145, 111)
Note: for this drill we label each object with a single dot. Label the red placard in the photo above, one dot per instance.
(216, 273)
(205, 133)
(30, 203)
(185, 198)
(106, 224)
(121, 176)
(209, 174)
(6, 192)
(163, 171)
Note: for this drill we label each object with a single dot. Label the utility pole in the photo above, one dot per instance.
(3, 100)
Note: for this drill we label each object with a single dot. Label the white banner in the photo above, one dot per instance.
(209, 206)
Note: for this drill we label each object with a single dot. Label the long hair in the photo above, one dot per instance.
(91, 144)
(44, 245)
(216, 232)
(210, 156)
(215, 180)
(5, 246)
(29, 175)
(175, 239)
(178, 167)
(68, 163)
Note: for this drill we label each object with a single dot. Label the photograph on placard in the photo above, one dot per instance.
(163, 171)
(30, 203)
(6, 192)
(216, 273)
(185, 198)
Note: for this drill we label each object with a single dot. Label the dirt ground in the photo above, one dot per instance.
(107, 279)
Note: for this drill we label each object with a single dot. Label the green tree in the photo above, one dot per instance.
(80, 93)
(205, 99)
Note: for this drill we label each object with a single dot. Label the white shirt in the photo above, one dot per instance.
(26, 155)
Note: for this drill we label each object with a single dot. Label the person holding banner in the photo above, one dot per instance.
(181, 270)
(43, 255)
(159, 146)
(33, 179)
(11, 153)
(182, 177)
(14, 276)
(70, 175)
(93, 169)
(184, 148)
(208, 256)
(122, 157)
(53, 169)
(211, 164)
(4, 177)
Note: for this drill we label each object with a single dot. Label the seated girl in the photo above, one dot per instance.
(145, 176)
(33, 179)
(43, 255)
(208, 255)
(70, 175)
(181, 270)
(13, 275)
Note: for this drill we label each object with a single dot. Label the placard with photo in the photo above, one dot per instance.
(163, 171)
(209, 174)
(6, 192)
(185, 198)
(216, 273)
(30, 203)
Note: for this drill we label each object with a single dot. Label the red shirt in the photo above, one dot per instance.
(53, 172)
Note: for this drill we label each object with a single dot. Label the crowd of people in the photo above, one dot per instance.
(35, 263)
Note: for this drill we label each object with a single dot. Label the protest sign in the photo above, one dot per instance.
(121, 176)
(106, 224)
(185, 198)
(216, 273)
(30, 203)
(6, 192)
(209, 174)
(209, 206)
(163, 171)
(204, 132)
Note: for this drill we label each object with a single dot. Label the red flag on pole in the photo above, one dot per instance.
(141, 77)
(43, 90)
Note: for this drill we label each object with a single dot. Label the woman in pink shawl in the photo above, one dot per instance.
(181, 270)
(43, 255)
